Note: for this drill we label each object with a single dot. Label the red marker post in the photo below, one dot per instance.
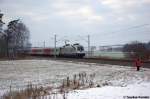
(138, 63)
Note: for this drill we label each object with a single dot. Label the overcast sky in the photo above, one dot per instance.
(106, 21)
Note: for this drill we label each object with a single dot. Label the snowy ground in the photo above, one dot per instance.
(140, 91)
(121, 81)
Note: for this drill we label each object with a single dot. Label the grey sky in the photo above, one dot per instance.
(106, 21)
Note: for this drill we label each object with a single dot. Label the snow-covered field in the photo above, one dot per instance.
(120, 80)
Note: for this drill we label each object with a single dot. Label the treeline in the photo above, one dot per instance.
(137, 50)
(14, 39)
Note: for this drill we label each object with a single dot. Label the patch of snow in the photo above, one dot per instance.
(111, 92)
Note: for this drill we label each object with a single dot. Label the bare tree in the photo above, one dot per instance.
(2, 38)
(17, 37)
(136, 49)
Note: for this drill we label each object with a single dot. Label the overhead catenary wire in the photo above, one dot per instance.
(126, 29)
(84, 38)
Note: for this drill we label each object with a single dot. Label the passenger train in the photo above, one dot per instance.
(68, 50)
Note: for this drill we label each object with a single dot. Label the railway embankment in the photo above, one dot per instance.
(97, 60)
(111, 61)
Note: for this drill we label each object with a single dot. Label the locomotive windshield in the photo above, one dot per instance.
(80, 48)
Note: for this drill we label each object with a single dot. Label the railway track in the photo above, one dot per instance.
(122, 62)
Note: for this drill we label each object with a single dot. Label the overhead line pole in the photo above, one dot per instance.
(55, 46)
(44, 44)
(88, 42)
(88, 46)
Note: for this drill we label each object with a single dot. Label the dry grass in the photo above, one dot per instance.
(30, 92)
(78, 81)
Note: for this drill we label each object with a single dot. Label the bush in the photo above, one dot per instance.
(136, 49)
